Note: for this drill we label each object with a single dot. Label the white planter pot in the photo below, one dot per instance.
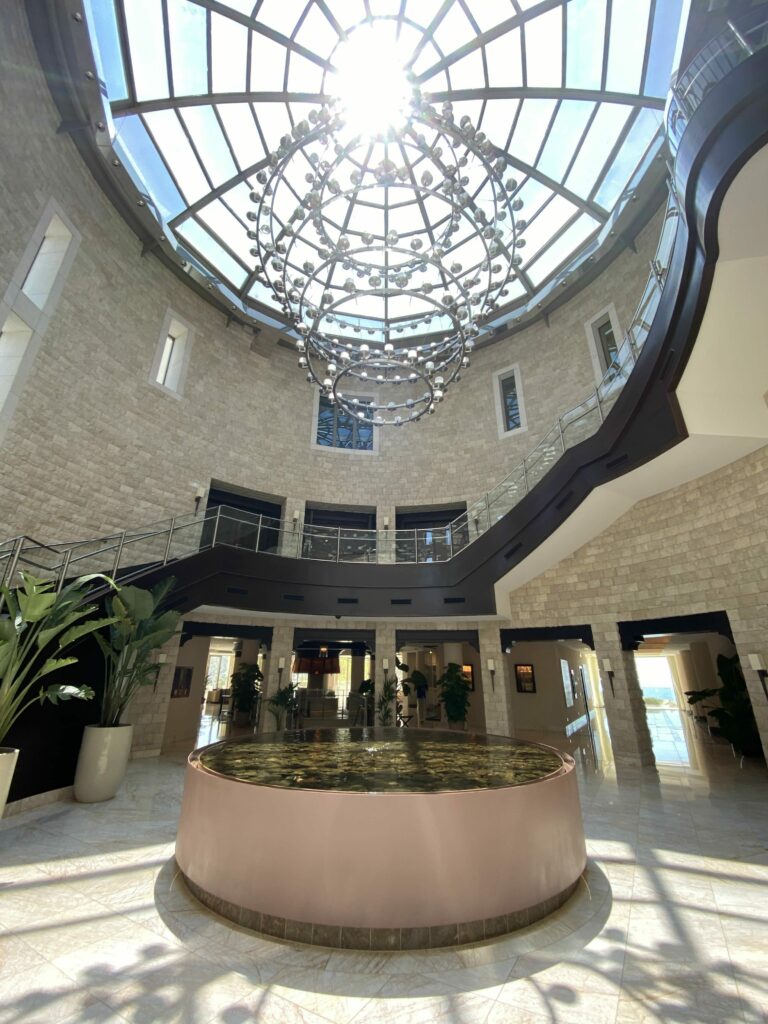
(8, 758)
(102, 762)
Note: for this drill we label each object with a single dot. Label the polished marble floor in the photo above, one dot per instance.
(669, 925)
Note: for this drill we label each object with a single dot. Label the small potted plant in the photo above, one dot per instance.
(37, 631)
(281, 701)
(454, 695)
(137, 628)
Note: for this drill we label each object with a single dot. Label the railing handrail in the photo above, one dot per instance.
(517, 482)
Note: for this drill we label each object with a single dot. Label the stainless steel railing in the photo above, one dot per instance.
(129, 552)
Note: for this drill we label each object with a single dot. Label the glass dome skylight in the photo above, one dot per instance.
(200, 92)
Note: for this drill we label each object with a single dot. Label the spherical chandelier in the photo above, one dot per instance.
(387, 247)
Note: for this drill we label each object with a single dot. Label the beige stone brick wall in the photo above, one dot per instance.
(94, 447)
(696, 548)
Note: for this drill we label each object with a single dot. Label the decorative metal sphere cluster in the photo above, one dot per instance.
(386, 251)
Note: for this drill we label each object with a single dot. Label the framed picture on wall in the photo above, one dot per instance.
(525, 679)
(182, 682)
(469, 672)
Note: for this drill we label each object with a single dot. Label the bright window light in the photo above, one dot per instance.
(371, 82)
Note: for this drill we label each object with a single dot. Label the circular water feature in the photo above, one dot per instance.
(381, 838)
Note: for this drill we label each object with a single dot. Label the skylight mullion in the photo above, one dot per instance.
(209, 49)
(121, 108)
(564, 47)
(171, 175)
(122, 32)
(194, 148)
(516, 21)
(606, 43)
(544, 93)
(612, 155)
(583, 204)
(548, 132)
(225, 133)
(330, 16)
(264, 30)
(429, 32)
(167, 41)
(648, 41)
(230, 252)
(580, 143)
(219, 191)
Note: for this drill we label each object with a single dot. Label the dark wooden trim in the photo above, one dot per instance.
(633, 633)
(537, 634)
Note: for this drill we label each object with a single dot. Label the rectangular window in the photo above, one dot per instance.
(172, 356)
(15, 336)
(47, 263)
(510, 404)
(508, 398)
(606, 341)
(337, 428)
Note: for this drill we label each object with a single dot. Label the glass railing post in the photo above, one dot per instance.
(258, 532)
(118, 554)
(560, 431)
(170, 538)
(599, 406)
(338, 543)
(63, 570)
(216, 526)
(740, 39)
(525, 476)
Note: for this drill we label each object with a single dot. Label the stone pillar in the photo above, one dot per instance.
(148, 710)
(386, 533)
(496, 693)
(281, 650)
(290, 542)
(624, 705)
(357, 672)
(385, 651)
(750, 633)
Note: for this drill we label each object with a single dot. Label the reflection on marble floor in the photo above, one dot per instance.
(672, 735)
(669, 926)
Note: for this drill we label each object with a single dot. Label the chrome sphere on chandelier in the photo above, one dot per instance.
(387, 249)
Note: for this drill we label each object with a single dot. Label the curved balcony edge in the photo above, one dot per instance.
(730, 125)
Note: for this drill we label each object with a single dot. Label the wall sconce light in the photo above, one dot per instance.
(280, 670)
(757, 662)
(385, 522)
(385, 664)
(199, 495)
(609, 672)
(295, 518)
(492, 670)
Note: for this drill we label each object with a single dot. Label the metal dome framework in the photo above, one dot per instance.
(198, 93)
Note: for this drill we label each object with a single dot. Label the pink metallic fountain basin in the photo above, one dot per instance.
(381, 866)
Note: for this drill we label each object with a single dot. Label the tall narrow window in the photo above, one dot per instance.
(337, 428)
(47, 263)
(510, 404)
(509, 401)
(605, 337)
(15, 336)
(172, 356)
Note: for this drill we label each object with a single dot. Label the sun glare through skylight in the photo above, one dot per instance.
(371, 82)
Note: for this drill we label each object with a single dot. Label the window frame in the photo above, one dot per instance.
(332, 448)
(176, 327)
(595, 346)
(15, 302)
(501, 421)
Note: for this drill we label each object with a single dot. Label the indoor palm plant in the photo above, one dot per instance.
(386, 700)
(281, 701)
(735, 717)
(137, 627)
(454, 694)
(37, 630)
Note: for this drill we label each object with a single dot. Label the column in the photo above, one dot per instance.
(750, 634)
(385, 652)
(495, 681)
(148, 710)
(624, 705)
(281, 652)
(385, 524)
(289, 543)
(357, 673)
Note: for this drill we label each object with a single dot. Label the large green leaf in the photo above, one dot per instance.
(34, 607)
(58, 692)
(53, 665)
(140, 604)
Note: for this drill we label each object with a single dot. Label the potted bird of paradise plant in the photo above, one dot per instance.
(38, 628)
